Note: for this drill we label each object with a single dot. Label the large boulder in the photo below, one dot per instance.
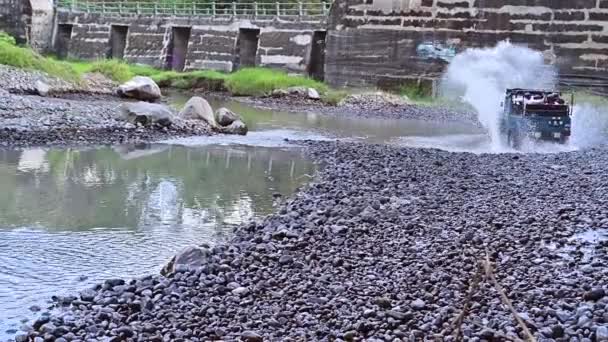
(236, 127)
(141, 88)
(147, 114)
(199, 109)
(189, 259)
(225, 117)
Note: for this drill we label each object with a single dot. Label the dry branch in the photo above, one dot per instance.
(506, 301)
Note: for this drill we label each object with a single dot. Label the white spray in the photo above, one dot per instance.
(589, 125)
(481, 77)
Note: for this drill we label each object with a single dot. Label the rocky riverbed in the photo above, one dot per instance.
(387, 244)
(368, 105)
(90, 112)
(68, 114)
(79, 119)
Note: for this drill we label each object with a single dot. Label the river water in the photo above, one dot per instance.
(72, 217)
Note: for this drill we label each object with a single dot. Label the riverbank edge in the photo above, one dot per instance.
(22, 84)
(289, 244)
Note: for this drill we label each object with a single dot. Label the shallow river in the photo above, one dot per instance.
(73, 217)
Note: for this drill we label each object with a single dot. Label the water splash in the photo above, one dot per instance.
(481, 76)
(589, 125)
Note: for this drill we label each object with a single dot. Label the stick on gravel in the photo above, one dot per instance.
(467, 304)
(490, 275)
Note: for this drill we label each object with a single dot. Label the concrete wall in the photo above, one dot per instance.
(41, 29)
(212, 43)
(386, 41)
(16, 18)
(29, 21)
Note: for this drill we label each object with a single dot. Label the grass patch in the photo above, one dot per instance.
(113, 69)
(207, 79)
(245, 82)
(333, 97)
(415, 92)
(6, 39)
(116, 70)
(25, 58)
(262, 81)
(143, 70)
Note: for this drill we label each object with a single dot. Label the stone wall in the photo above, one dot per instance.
(41, 29)
(388, 41)
(16, 18)
(213, 42)
(29, 21)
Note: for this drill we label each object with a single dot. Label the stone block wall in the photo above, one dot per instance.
(212, 43)
(386, 41)
(212, 47)
(16, 18)
(289, 48)
(41, 29)
(29, 21)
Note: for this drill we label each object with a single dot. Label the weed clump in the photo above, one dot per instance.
(262, 81)
(26, 58)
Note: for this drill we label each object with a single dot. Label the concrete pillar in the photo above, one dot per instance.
(41, 28)
(15, 19)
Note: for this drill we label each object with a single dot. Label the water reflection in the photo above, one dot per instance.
(123, 211)
(268, 124)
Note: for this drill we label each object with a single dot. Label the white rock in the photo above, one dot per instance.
(199, 109)
(240, 291)
(145, 114)
(141, 88)
(190, 258)
(237, 127)
(42, 88)
(225, 116)
(313, 94)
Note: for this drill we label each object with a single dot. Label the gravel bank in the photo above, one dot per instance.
(365, 109)
(19, 81)
(82, 120)
(384, 246)
(82, 114)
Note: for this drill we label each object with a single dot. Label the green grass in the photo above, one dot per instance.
(333, 97)
(25, 58)
(209, 79)
(79, 66)
(262, 81)
(246, 82)
(143, 70)
(5, 38)
(415, 92)
(113, 69)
